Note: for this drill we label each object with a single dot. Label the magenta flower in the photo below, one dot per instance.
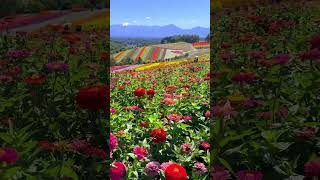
(315, 42)
(152, 169)
(113, 142)
(174, 117)
(112, 110)
(140, 152)
(249, 175)
(57, 66)
(312, 168)
(281, 59)
(306, 132)
(8, 155)
(117, 171)
(219, 173)
(187, 118)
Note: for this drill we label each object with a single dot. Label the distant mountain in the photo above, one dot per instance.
(154, 31)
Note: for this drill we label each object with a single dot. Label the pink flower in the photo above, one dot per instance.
(57, 66)
(249, 175)
(174, 117)
(219, 173)
(187, 118)
(225, 111)
(168, 95)
(169, 101)
(117, 171)
(250, 103)
(113, 142)
(312, 168)
(8, 155)
(112, 110)
(165, 165)
(244, 77)
(207, 114)
(200, 168)
(281, 59)
(186, 148)
(152, 169)
(140, 152)
(306, 132)
(267, 114)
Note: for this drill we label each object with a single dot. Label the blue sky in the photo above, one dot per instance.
(182, 13)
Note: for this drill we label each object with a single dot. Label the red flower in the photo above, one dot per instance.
(315, 42)
(205, 145)
(35, 79)
(93, 97)
(186, 86)
(46, 145)
(151, 92)
(117, 171)
(72, 38)
(244, 77)
(139, 92)
(310, 55)
(175, 172)
(158, 135)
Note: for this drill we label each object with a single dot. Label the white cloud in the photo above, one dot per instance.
(194, 21)
(148, 18)
(126, 24)
(134, 21)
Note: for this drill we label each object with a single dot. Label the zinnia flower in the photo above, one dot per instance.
(140, 152)
(312, 168)
(139, 92)
(315, 42)
(200, 168)
(186, 148)
(174, 117)
(57, 66)
(117, 171)
(151, 92)
(175, 172)
(169, 101)
(93, 97)
(113, 142)
(152, 169)
(219, 173)
(8, 155)
(35, 79)
(249, 175)
(205, 145)
(158, 135)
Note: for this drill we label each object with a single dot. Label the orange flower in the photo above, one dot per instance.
(36, 79)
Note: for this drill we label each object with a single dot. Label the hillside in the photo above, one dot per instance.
(154, 53)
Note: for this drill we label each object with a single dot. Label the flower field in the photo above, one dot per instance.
(160, 122)
(200, 45)
(146, 54)
(266, 92)
(53, 112)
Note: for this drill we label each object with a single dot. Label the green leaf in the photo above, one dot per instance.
(9, 173)
(6, 137)
(68, 171)
(226, 164)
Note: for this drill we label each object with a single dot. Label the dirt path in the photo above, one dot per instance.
(64, 19)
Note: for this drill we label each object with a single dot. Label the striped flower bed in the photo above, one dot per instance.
(140, 53)
(117, 56)
(155, 54)
(201, 45)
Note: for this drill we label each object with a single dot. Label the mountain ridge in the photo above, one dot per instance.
(145, 31)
